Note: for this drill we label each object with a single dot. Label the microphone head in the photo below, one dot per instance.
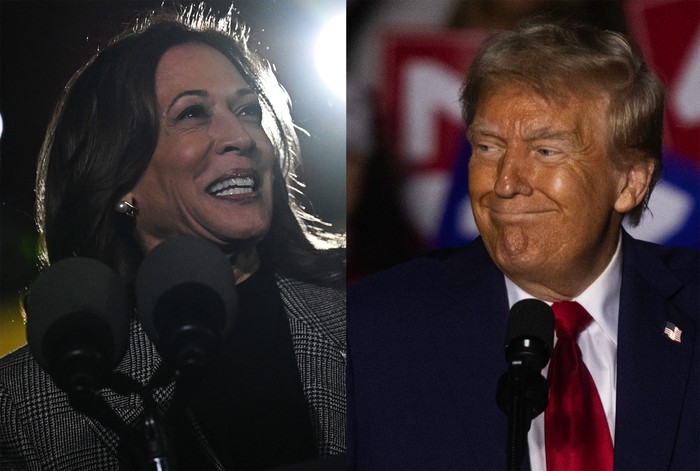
(77, 312)
(530, 332)
(184, 286)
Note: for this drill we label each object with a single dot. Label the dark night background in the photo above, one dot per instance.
(42, 43)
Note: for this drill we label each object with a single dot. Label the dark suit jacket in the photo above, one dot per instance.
(426, 349)
(40, 431)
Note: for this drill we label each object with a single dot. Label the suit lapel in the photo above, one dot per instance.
(319, 308)
(317, 324)
(140, 363)
(474, 320)
(652, 370)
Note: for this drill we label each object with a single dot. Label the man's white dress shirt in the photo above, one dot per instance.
(598, 343)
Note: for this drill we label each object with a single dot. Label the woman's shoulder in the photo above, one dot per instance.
(321, 300)
(322, 308)
(26, 387)
(18, 369)
(38, 427)
(308, 289)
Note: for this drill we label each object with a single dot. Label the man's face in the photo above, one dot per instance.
(544, 188)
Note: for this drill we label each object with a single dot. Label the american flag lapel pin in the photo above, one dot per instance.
(673, 332)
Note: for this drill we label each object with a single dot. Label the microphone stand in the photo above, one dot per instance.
(522, 394)
(155, 455)
(157, 441)
(155, 436)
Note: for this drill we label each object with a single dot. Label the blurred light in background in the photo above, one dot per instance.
(330, 54)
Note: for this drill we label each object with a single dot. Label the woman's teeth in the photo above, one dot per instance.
(232, 186)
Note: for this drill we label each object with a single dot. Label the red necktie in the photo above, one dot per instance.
(577, 437)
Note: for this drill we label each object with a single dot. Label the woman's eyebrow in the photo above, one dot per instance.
(205, 94)
(244, 91)
(199, 93)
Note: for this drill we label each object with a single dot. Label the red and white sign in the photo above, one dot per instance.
(668, 31)
(422, 76)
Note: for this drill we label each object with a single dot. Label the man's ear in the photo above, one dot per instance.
(634, 184)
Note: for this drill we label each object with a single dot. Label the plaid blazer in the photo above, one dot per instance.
(40, 431)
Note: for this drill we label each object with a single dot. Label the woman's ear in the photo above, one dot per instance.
(128, 197)
(127, 205)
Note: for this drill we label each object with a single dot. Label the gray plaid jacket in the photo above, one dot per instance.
(40, 431)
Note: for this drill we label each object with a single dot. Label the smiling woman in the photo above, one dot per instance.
(177, 128)
(211, 170)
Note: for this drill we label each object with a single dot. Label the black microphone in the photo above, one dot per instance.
(530, 334)
(522, 390)
(186, 297)
(78, 324)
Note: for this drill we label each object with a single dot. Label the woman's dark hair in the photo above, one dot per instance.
(104, 131)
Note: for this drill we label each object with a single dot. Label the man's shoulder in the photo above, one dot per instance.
(671, 272)
(427, 283)
(422, 269)
(682, 262)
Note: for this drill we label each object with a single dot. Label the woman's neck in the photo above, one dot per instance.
(244, 263)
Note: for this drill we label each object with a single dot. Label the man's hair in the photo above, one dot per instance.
(103, 134)
(556, 59)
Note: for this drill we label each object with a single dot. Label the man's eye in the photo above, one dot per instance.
(544, 152)
(485, 149)
(191, 112)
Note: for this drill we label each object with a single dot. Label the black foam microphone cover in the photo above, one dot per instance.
(530, 333)
(78, 322)
(186, 298)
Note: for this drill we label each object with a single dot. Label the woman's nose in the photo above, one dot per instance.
(231, 135)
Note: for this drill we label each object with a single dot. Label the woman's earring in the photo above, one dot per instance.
(124, 207)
